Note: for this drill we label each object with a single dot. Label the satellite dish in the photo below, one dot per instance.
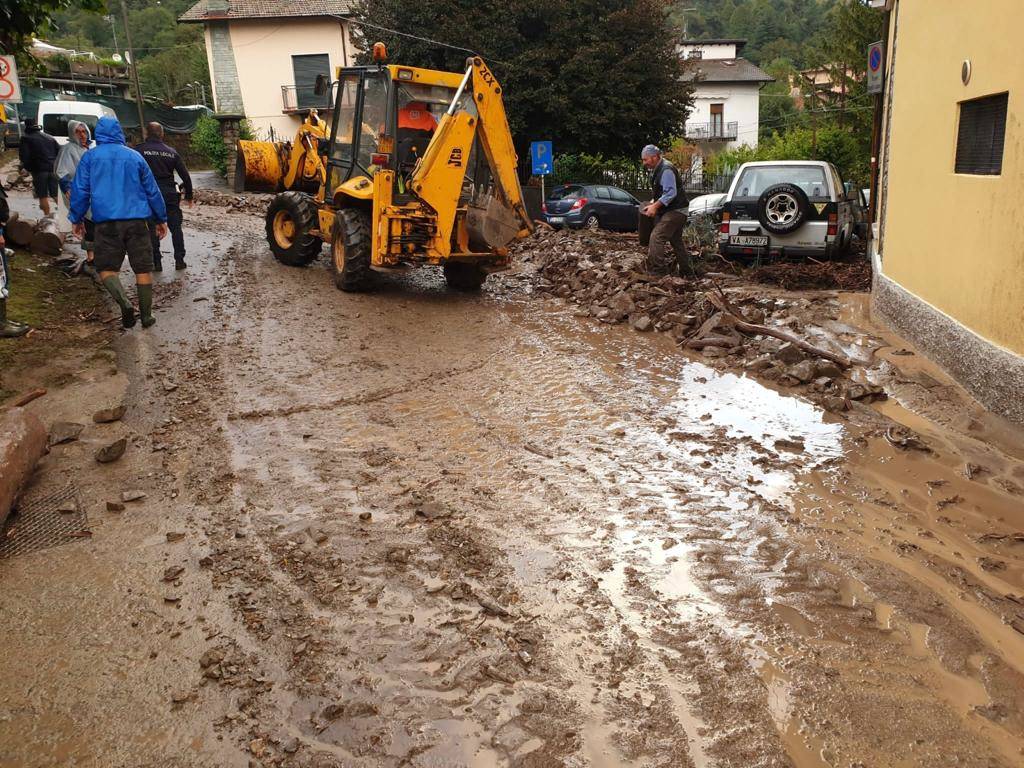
(116, 57)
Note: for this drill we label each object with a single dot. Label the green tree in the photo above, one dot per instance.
(778, 111)
(20, 19)
(594, 76)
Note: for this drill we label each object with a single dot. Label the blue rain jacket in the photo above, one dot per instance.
(115, 181)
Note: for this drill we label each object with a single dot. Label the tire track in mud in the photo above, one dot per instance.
(671, 604)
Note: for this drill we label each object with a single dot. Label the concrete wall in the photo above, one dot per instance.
(953, 244)
(742, 105)
(261, 53)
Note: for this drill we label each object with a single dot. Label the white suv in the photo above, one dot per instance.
(787, 208)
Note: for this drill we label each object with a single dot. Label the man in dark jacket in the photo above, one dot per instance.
(37, 153)
(115, 182)
(164, 160)
(668, 208)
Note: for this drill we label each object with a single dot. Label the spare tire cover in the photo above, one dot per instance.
(783, 208)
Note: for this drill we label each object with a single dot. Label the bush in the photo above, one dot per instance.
(835, 145)
(207, 142)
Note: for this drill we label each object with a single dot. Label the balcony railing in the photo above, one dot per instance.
(299, 98)
(712, 131)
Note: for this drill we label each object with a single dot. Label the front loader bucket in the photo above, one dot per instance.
(490, 223)
(259, 167)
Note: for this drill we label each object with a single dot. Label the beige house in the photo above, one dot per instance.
(264, 56)
(949, 247)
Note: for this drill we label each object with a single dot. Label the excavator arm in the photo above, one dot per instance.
(495, 216)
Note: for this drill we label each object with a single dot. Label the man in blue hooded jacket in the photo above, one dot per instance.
(117, 184)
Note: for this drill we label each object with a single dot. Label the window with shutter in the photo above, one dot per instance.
(305, 69)
(982, 132)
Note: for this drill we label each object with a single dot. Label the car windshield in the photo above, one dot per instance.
(57, 124)
(565, 193)
(756, 179)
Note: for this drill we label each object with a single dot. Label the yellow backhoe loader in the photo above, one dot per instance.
(419, 168)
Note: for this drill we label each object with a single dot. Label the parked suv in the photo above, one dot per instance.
(593, 206)
(787, 208)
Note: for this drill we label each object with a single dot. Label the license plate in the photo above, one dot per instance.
(556, 220)
(749, 240)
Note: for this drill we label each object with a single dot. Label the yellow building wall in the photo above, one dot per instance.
(263, 56)
(957, 241)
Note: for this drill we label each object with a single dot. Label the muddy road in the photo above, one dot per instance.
(419, 528)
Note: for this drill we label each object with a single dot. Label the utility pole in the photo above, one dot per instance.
(686, 22)
(135, 71)
(113, 30)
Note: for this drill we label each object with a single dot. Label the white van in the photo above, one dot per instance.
(54, 116)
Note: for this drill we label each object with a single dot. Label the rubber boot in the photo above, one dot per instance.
(146, 305)
(9, 330)
(180, 263)
(114, 287)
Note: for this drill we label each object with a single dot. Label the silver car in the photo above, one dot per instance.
(787, 208)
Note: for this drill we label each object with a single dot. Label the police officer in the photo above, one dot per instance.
(164, 161)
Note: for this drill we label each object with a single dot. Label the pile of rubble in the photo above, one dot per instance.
(720, 315)
(799, 276)
(248, 203)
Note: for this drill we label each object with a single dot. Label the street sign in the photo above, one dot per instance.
(542, 158)
(876, 68)
(10, 88)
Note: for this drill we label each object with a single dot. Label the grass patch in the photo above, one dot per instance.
(66, 313)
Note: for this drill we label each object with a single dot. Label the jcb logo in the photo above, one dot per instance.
(455, 158)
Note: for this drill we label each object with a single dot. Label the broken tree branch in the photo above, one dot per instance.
(720, 300)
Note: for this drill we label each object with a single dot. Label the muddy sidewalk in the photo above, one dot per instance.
(414, 527)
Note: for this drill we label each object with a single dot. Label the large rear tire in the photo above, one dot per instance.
(291, 217)
(464, 276)
(350, 249)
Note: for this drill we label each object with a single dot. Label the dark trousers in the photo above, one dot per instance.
(174, 225)
(668, 231)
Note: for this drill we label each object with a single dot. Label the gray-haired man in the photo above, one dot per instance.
(668, 209)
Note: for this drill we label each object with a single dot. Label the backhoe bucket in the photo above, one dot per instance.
(490, 223)
(259, 167)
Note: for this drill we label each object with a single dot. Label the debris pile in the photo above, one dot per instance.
(798, 276)
(719, 315)
(248, 203)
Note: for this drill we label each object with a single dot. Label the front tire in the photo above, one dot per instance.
(291, 217)
(350, 249)
(464, 276)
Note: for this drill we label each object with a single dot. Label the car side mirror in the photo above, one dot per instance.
(321, 85)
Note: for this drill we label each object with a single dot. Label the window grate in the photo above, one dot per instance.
(982, 133)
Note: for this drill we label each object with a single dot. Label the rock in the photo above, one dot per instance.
(759, 363)
(22, 444)
(132, 495)
(108, 415)
(802, 371)
(64, 432)
(866, 393)
(834, 403)
(172, 536)
(827, 368)
(432, 510)
(790, 354)
(172, 572)
(365, 516)
(642, 323)
(115, 506)
(112, 452)
(793, 445)
(290, 745)
(68, 507)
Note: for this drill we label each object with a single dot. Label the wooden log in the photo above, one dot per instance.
(19, 231)
(722, 303)
(22, 444)
(47, 240)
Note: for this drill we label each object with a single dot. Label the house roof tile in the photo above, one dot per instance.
(264, 9)
(726, 71)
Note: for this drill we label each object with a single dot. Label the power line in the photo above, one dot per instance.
(417, 37)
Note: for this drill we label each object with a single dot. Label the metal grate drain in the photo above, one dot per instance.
(43, 522)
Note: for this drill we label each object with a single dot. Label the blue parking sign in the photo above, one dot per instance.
(542, 157)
